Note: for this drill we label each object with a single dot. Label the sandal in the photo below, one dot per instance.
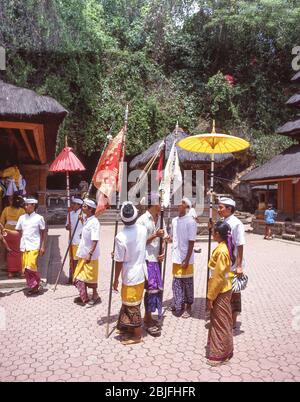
(131, 341)
(79, 301)
(93, 302)
(214, 363)
(186, 314)
(153, 331)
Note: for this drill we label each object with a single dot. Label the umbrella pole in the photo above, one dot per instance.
(71, 269)
(211, 189)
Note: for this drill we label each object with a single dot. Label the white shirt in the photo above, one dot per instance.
(90, 233)
(238, 236)
(152, 248)
(31, 225)
(130, 248)
(74, 218)
(184, 229)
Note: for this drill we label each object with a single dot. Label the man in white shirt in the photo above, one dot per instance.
(130, 253)
(153, 286)
(226, 209)
(183, 235)
(88, 252)
(32, 228)
(71, 224)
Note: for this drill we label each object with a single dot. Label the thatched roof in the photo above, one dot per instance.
(294, 100)
(286, 164)
(291, 128)
(184, 156)
(296, 77)
(22, 104)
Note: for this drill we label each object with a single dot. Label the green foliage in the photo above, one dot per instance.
(166, 58)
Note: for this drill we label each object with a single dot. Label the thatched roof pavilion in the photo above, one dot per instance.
(284, 165)
(28, 129)
(187, 159)
(283, 169)
(31, 120)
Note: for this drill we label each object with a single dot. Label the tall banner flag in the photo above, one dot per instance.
(106, 176)
(172, 176)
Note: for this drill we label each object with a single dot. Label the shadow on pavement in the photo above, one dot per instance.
(198, 309)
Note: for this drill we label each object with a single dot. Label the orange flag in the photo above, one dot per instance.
(107, 172)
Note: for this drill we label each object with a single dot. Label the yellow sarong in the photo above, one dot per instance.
(132, 295)
(29, 260)
(179, 272)
(74, 252)
(86, 272)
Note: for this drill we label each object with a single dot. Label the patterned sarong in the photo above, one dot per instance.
(183, 292)
(220, 338)
(129, 317)
(153, 289)
(236, 303)
(32, 278)
(82, 289)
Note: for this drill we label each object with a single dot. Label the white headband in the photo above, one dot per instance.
(30, 201)
(227, 201)
(187, 201)
(90, 203)
(76, 201)
(128, 219)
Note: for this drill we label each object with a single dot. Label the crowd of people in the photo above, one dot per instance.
(139, 254)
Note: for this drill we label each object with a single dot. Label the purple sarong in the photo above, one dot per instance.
(153, 289)
(82, 289)
(32, 278)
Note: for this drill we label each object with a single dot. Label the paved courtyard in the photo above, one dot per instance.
(49, 338)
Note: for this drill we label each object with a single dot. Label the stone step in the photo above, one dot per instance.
(287, 236)
(12, 283)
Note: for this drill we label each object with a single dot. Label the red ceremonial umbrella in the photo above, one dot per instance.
(67, 162)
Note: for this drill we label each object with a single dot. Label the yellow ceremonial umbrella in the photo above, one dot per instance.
(213, 143)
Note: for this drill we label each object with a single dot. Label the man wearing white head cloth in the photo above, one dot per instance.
(76, 204)
(226, 209)
(183, 235)
(32, 228)
(130, 256)
(153, 286)
(86, 272)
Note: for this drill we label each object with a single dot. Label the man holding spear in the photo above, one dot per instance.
(129, 255)
(183, 236)
(86, 272)
(32, 227)
(153, 286)
(74, 226)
